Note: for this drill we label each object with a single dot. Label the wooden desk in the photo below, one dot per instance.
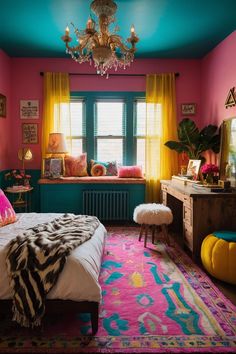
(197, 213)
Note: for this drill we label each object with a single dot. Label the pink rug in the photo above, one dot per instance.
(154, 300)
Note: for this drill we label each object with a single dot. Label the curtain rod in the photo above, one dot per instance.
(88, 74)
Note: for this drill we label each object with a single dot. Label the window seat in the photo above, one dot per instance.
(107, 197)
(91, 180)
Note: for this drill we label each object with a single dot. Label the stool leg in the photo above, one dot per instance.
(141, 232)
(165, 233)
(146, 234)
(153, 232)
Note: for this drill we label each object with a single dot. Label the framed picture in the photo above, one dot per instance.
(29, 133)
(29, 109)
(193, 169)
(188, 108)
(53, 167)
(3, 106)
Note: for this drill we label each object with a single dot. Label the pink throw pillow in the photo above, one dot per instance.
(130, 172)
(76, 166)
(7, 213)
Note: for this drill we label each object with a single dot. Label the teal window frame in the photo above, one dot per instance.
(129, 98)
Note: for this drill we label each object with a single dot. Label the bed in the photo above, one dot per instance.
(77, 285)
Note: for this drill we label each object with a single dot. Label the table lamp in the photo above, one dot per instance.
(56, 144)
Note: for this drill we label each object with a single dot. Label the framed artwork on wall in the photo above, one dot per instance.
(3, 106)
(188, 108)
(29, 109)
(30, 133)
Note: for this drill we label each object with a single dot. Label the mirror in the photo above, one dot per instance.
(228, 151)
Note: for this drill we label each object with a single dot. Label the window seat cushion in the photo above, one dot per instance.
(91, 179)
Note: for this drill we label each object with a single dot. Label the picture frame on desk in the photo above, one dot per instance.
(193, 169)
(53, 167)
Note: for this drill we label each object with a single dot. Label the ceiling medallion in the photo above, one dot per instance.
(96, 43)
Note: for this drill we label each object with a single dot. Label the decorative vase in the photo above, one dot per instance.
(209, 178)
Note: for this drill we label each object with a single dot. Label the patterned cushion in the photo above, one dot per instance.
(7, 213)
(98, 170)
(130, 172)
(111, 167)
(76, 166)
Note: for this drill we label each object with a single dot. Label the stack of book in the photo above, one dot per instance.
(211, 188)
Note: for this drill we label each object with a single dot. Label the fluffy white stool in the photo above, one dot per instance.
(152, 215)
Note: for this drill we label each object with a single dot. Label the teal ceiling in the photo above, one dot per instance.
(166, 28)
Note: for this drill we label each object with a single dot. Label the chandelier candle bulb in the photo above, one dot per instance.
(67, 31)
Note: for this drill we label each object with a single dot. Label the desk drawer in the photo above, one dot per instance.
(164, 187)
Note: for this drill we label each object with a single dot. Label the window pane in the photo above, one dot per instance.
(109, 118)
(140, 158)
(110, 150)
(76, 111)
(76, 146)
(140, 118)
(71, 124)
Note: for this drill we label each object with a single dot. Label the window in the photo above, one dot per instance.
(140, 132)
(107, 125)
(109, 130)
(73, 126)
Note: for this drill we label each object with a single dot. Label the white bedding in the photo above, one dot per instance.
(79, 279)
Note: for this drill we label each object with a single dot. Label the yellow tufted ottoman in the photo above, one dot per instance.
(218, 254)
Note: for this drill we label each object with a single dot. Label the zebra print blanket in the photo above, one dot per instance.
(35, 259)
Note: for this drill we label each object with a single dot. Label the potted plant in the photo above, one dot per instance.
(193, 141)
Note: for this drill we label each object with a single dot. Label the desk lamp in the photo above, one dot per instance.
(24, 154)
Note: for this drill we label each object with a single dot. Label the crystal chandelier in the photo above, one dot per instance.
(97, 43)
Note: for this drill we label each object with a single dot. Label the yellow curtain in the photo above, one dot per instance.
(56, 105)
(161, 126)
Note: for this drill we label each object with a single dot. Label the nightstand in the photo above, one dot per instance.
(21, 198)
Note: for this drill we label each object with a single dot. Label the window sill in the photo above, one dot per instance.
(90, 179)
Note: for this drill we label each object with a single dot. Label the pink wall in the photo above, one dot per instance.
(218, 77)
(5, 89)
(27, 84)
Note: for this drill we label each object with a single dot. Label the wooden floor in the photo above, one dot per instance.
(229, 290)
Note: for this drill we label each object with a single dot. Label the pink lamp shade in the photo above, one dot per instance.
(56, 144)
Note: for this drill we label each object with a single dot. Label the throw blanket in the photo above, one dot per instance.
(35, 259)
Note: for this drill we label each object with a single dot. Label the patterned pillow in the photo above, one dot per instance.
(130, 172)
(76, 166)
(111, 167)
(7, 213)
(98, 170)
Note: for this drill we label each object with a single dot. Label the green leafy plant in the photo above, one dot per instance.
(193, 141)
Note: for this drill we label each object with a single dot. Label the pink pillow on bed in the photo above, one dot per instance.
(130, 172)
(7, 213)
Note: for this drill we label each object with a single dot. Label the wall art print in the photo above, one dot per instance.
(3, 106)
(29, 109)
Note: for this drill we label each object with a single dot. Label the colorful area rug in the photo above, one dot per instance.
(155, 300)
